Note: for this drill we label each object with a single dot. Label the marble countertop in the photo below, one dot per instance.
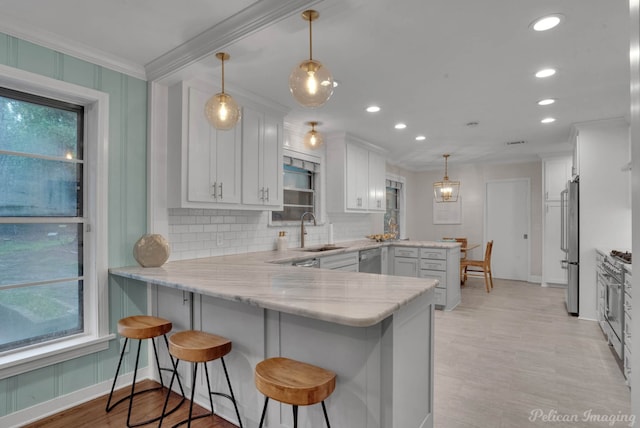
(267, 280)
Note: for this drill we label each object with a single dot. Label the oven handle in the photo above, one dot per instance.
(563, 219)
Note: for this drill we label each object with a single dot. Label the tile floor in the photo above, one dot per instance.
(514, 358)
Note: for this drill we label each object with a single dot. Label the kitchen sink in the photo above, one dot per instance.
(323, 248)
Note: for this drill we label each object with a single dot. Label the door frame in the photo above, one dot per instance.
(526, 180)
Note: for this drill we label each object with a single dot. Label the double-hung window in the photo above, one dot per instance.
(53, 240)
(41, 205)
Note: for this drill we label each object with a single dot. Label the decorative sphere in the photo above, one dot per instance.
(222, 111)
(151, 250)
(311, 83)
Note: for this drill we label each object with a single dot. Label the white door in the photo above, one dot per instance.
(507, 224)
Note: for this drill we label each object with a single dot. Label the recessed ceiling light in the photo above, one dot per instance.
(421, 138)
(547, 22)
(373, 109)
(546, 72)
(546, 102)
(548, 120)
(400, 126)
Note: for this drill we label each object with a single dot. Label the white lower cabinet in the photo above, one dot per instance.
(436, 263)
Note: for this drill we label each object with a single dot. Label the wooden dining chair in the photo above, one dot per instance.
(477, 267)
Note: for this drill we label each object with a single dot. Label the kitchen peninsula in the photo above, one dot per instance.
(374, 331)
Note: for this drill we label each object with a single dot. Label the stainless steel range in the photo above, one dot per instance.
(611, 276)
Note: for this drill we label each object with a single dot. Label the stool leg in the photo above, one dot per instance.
(173, 364)
(193, 392)
(295, 416)
(326, 418)
(166, 401)
(206, 374)
(233, 398)
(264, 411)
(155, 352)
(133, 385)
(126, 340)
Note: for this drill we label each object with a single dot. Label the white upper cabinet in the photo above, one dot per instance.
(261, 158)
(356, 174)
(207, 168)
(557, 171)
(377, 182)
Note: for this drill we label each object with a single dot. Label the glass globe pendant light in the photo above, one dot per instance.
(221, 110)
(313, 139)
(310, 82)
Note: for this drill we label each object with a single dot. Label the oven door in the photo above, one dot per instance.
(614, 311)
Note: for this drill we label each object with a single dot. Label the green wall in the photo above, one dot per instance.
(127, 214)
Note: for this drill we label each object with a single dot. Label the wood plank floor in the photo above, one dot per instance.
(498, 357)
(501, 356)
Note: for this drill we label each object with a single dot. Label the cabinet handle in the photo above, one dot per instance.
(262, 193)
(214, 195)
(267, 194)
(220, 191)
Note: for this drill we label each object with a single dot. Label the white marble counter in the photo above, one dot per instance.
(266, 280)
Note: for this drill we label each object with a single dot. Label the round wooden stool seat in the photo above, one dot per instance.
(198, 346)
(143, 327)
(294, 382)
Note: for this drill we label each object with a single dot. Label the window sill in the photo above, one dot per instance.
(14, 363)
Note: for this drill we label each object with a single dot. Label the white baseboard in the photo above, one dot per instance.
(536, 279)
(58, 404)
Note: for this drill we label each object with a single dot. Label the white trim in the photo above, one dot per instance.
(51, 407)
(29, 33)
(256, 17)
(96, 315)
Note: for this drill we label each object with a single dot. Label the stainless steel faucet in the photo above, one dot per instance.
(303, 231)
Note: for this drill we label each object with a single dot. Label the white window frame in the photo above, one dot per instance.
(403, 203)
(318, 181)
(96, 298)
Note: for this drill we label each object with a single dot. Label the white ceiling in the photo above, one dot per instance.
(434, 64)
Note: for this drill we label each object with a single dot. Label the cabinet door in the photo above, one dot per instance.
(200, 177)
(556, 174)
(272, 161)
(377, 182)
(357, 165)
(403, 266)
(252, 192)
(227, 164)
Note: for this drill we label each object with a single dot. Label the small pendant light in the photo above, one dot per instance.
(445, 190)
(311, 83)
(221, 110)
(313, 139)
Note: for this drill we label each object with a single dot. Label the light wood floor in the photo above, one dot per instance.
(498, 357)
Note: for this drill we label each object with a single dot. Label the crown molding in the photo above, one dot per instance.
(259, 15)
(72, 48)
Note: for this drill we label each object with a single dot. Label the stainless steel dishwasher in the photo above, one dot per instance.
(370, 261)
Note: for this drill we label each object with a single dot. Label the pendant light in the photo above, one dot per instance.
(313, 139)
(221, 110)
(311, 83)
(445, 190)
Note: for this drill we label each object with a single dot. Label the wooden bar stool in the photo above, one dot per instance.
(142, 327)
(293, 382)
(200, 347)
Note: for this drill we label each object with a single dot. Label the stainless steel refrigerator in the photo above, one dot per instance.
(569, 242)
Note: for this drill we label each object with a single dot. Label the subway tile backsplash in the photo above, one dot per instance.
(198, 233)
